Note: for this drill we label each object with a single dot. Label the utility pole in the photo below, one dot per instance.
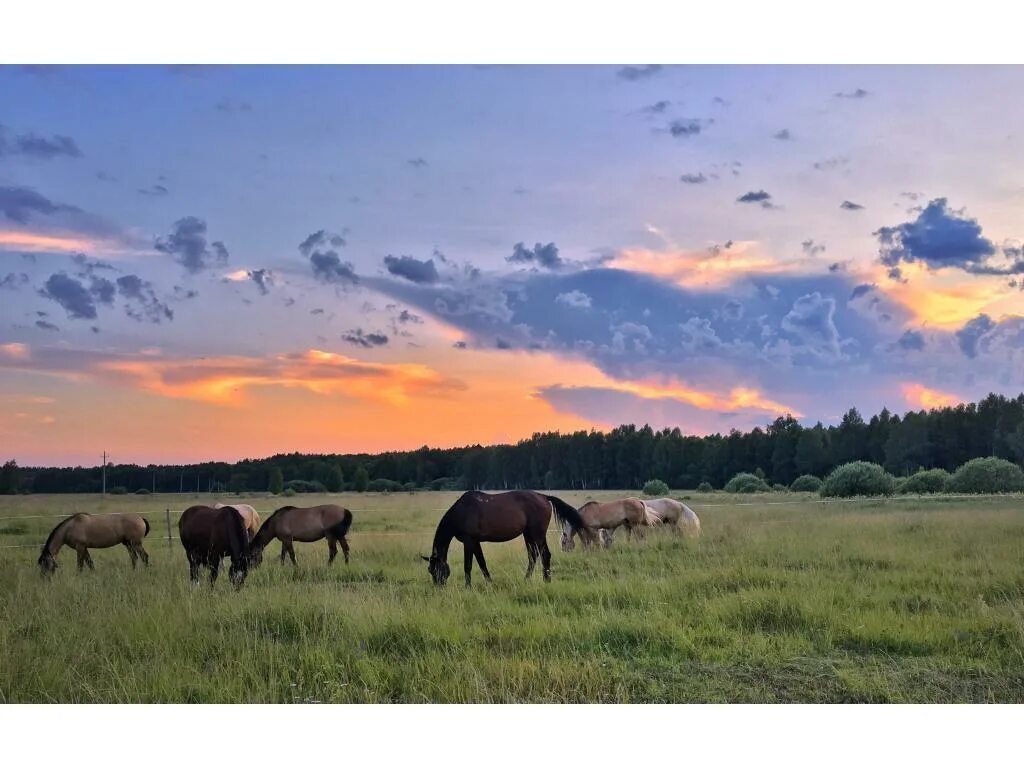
(104, 473)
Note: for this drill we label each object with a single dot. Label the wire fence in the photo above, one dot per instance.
(170, 537)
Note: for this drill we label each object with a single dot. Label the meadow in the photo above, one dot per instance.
(780, 600)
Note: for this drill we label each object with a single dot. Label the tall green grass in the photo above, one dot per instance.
(909, 600)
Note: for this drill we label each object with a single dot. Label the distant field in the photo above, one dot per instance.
(781, 600)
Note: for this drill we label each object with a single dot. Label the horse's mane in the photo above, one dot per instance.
(237, 535)
(61, 524)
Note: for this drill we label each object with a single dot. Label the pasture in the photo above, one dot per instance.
(781, 600)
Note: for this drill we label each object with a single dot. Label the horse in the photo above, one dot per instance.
(208, 534)
(476, 517)
(674, 513)
(82, 531)
(249, 515)
(291, 524)
(606, 516)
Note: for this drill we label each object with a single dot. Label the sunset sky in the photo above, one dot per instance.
(226, 262)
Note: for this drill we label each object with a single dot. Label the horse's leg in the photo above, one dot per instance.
(284, 551)
(88, 559)
(480, 561)
(214, 569)
(344, 548)
(531, 552)
(332, 548)
(545, 557)
(291, 551)
(193, 568)
(81, 557)
(143, 554)
(469, 549)
(131, 551)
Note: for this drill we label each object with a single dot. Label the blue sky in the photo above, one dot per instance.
(570, 247)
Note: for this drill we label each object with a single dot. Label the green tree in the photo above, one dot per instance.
(237, 482)
(10, 477)
(276, 482)
(334, 479)
(361, 479)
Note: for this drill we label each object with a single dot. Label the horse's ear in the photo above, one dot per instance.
(425, 558)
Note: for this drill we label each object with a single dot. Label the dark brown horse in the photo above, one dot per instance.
(291, 524)
(208, 535)
(478, 517)
(82, 531)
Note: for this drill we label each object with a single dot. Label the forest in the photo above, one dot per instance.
(622, 458)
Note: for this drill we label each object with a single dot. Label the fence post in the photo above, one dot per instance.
(167, 511)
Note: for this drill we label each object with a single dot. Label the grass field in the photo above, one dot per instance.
(910, 600)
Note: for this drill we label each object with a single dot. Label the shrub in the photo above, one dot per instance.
(288, 492)
(925, 481)
(705, 487)
(858, 478)
(117, 490)
(142, 492)
(655, 488)
(987, 475)
(382, 484)
(305, 486)
(744, 482)
(780, 487)
(806, 484)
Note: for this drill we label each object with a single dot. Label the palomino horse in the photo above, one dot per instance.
(478, 517)
(82, 531)
(249, 515)
(605, 516)
(208, 535)
(291, 524)
(673, 513)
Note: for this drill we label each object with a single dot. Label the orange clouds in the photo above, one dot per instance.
(739, 398)
(920, 396)
(703, 269)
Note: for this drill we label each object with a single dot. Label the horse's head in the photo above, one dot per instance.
(238, 571)
(47, 562)
(255, 555)
(568, 537)
(438, 569)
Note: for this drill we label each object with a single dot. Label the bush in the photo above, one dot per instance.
(744, 482)
(117, 490)
(780, 487)
(858, 478)
(925, 481)
(705, 487)
(142, 492)
(288, 492)
(806, 484)
(305, 486)
(987, 475)
(382, 484)
(655, 488)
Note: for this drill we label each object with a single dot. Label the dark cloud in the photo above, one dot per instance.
(46, 325)
(542, 255)
(861, 290)
(74, 297)
(141, 300)
(405, 317)
(14, 280)
(969, 337)
(859, 93)
(911, 341)
(657, 108)
(831, 163)
(321, 239)
(411, 268)
(759, 197)
(417, 162)
(328, 267)
(365, 340)
(846, 205)
(316, 311)
(183, 294)
(188, 245)
(460, 345)
(941, 237)
(633, 74)
(783, 135)
(19, 204)
(687, 127)
(102, 290)
(157, 190)
(229, 105)
(812, 248)
(38, 147)
(693, 178)
(263, 278)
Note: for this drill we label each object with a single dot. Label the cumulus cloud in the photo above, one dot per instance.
(411, 268)
(12, 281)
(263, 278)
(141, 302)
(758, 197)
(574, 299)
(20, 204)
(911, 341)
(38, 147)
(320, 247)
(969, 337)
(811, 321)
(542, 255)
(684, 128)
(633, 74)
(942, 237)
(365, 340)
(188, 245)
(74, 297)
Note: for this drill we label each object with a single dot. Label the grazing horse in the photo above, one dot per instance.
(208, 535)
(291, 524)
(249, 515)
(82, 531)
(478, 517)
(673, 513)
(605, 516)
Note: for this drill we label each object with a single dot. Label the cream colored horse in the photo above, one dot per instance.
(82, 531)
(249, 515)
(606, 516)
(675, 514)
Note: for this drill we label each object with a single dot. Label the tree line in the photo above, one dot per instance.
(623, 458)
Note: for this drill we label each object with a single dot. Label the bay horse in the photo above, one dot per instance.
(605, 517)
(249, 515)
(673, 513)
(476, 517)
(208, 534)
(82, 531)
(291, 524)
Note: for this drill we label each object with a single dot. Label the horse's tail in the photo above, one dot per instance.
(341, 528)
(238, 537)
(652, 516)
(565, 512)
(147, 527)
